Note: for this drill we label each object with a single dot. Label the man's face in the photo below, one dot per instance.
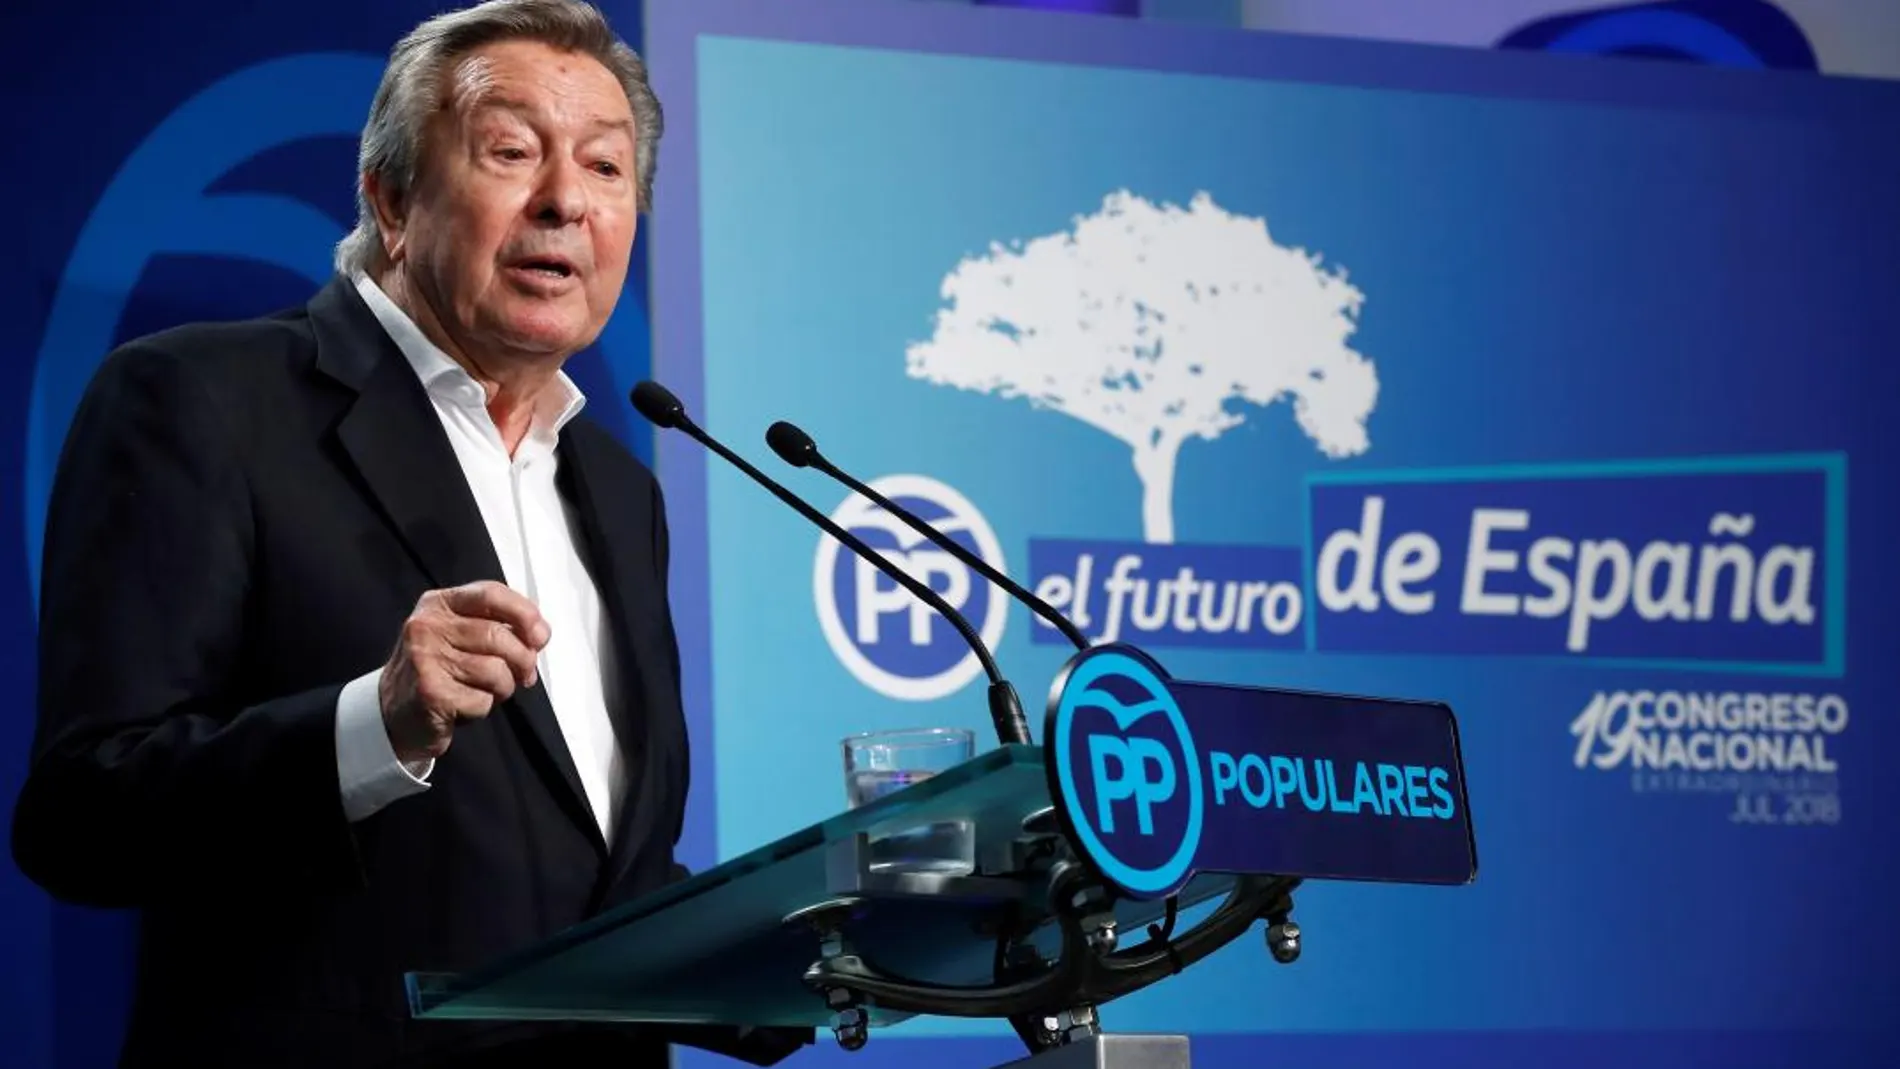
(519, 229)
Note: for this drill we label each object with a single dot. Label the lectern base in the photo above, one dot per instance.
(1111, 1052)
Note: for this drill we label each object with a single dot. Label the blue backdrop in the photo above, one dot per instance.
(1552, 390)
(190, 161)
(1580, 310)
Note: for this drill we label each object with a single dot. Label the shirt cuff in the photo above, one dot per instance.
(368, 772)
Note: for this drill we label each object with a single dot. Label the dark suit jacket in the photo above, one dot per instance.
(243, 516)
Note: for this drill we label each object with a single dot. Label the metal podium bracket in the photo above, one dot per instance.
(1051, 1000)
(1087, 970)
(848, 871)
(1111, 1052)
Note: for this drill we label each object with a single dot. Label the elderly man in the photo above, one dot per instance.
(356, 654)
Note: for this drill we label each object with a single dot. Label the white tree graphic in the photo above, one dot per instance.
(1154, 324)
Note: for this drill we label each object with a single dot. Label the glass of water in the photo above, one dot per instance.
(877, 763)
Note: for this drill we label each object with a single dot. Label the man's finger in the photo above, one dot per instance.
(492, 638)
(490, 675)
(440, 691)
(493, 601)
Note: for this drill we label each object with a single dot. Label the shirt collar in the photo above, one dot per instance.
(447, 380)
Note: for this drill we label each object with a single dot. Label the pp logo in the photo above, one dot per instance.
(1126, 770)
(891, 641)
(162, 201)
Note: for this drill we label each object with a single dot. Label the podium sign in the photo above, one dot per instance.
(1161, 779)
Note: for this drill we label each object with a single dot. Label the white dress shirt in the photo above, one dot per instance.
(534, 532)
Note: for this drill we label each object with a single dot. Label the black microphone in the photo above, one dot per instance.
(659, 406)
(796, 448)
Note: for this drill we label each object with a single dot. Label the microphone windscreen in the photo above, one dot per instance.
(658, 404)
(792, 445)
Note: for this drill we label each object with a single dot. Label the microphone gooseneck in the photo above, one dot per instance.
(663, 409)
(797, 448)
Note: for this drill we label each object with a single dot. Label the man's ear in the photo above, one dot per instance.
(391, 208)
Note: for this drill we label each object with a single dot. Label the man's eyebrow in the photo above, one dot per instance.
(495, 102)
(605, 123)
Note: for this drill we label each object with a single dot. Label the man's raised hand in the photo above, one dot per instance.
(462, 650)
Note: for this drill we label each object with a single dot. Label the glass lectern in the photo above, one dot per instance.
(801, 932)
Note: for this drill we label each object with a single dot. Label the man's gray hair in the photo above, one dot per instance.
(417, 79)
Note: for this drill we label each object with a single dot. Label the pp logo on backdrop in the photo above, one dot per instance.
(162, 201)
(1124, 763)
(887, 638)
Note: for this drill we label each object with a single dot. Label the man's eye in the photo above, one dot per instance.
(607, 167)
(511, 152)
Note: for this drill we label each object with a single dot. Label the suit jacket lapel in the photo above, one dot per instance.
(392, 436)
(394, 439)
(610, 526)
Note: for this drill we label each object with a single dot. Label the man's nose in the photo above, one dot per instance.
(562, 196)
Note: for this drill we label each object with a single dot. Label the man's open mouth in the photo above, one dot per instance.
(546, 266)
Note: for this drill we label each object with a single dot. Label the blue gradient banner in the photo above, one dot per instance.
(1557, 392)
